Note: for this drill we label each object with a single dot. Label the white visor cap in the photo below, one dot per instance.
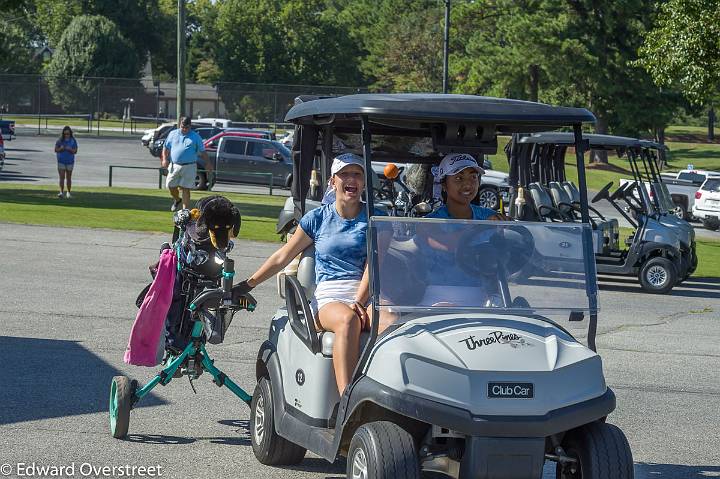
(454, 163)
(346, 159)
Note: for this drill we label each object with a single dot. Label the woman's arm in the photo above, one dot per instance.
(280, 258)
(72, 150)
(58, 147)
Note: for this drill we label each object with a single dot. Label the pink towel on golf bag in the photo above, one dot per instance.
(148, 329)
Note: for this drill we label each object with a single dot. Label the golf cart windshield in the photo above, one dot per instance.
(443, 266)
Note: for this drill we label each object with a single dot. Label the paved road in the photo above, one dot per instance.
(30, 158)
(67, 307)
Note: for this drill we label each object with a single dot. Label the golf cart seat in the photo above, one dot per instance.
(544, 205)
(306, 277)
(610, 228)
(562, 200)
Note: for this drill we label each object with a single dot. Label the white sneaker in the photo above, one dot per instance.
(67, 195)
(61, 195)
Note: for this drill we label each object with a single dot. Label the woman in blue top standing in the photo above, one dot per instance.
(338, 231)
(66, 148)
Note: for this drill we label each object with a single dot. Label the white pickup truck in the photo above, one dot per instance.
(683, 187)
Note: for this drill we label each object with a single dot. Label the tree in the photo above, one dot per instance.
(137, 20)
(683, 49)
(91, 46)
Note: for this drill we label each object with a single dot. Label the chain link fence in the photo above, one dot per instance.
(30, 99)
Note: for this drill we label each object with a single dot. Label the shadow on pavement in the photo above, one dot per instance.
(693, 287)
(6, 175)
(47, 378)
(674, 471)
(158, 439)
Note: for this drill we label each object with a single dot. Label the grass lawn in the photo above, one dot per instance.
(126, 209)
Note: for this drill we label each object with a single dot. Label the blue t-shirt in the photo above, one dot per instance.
(340, 244)
(184, 148)
(479, 212)
(65, 156)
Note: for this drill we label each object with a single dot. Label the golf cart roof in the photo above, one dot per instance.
(653, 145)
(597, 142)
(419, 110)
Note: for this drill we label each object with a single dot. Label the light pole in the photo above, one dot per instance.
(180, 110)
(446, 46)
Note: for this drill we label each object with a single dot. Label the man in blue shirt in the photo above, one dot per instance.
(180, 154)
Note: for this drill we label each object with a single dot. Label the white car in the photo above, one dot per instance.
(707, 203)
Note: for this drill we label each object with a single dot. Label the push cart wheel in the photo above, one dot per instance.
(122, 393)
(269, 448)
(382, 450)
(658, 275)
(602, 452)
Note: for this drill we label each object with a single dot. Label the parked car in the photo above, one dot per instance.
(287, 140)
(707, 203)
(247, 159)
(683, 186)
(7, 129)
(211, 144)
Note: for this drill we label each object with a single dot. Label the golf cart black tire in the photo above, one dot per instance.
(495, 192)
(273, 449)
(389, 451)
(602, 450)
(670, 271)
(201, 182)
(124, 392)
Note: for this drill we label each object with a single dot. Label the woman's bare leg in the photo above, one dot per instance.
(342, 320)
(68, 180)
(61, 173)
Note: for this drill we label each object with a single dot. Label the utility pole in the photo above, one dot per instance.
(180, 59)
(446, 46)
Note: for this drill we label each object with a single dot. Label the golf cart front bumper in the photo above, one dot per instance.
(495, 446)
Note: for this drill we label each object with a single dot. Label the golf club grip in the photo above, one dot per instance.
(228, 273)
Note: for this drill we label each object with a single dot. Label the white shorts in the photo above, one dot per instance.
(340, 290)
(181, 175)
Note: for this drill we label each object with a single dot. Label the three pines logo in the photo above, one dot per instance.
(494, 337)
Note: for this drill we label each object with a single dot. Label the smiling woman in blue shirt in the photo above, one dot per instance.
(179, 156)
(338, 230)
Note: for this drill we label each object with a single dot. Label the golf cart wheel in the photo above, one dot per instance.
(602, 452)
(382, 450)
(122, 396)
(489, 198)
(658, 275)
(201, 182)
(269, 448)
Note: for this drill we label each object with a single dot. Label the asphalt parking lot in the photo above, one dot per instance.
(68, 305)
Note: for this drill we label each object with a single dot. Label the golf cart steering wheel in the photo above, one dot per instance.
(603, 194)
(507, 251)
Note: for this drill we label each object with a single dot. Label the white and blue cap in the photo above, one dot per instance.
(346, 159)
(454, 163)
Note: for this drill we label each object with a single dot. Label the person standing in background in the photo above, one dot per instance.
(66, 148)
(179, 156)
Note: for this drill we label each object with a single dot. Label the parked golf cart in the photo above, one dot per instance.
(479, 379)
(660, 251)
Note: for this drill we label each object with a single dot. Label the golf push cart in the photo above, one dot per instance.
(482, 374)
(661, 249)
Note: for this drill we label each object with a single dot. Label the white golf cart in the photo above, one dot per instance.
(484, 373)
